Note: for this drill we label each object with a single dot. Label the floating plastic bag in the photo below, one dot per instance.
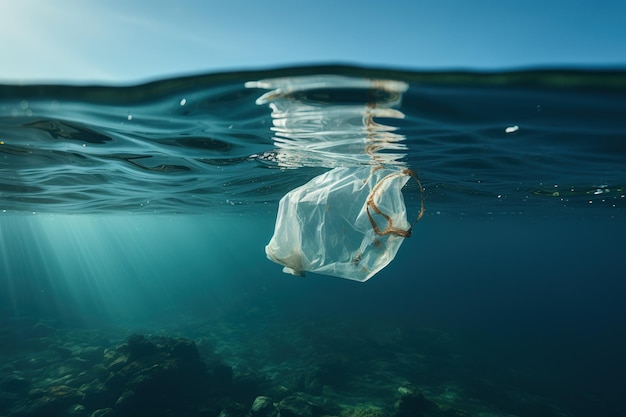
(347, 222)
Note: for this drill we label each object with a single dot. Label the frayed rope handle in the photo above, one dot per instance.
(370, 203)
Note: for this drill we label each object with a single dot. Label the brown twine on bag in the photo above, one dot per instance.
(370, 203)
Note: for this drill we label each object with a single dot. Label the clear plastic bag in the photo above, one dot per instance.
(347, 222)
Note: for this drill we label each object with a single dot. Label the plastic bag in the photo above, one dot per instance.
(347, 222)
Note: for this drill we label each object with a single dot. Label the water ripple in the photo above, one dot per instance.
(239, 141)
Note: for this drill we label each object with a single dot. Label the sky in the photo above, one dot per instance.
(122, 42)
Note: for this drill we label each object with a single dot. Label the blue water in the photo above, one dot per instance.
(147, 208)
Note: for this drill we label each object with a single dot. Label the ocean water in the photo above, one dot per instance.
(134, 216)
